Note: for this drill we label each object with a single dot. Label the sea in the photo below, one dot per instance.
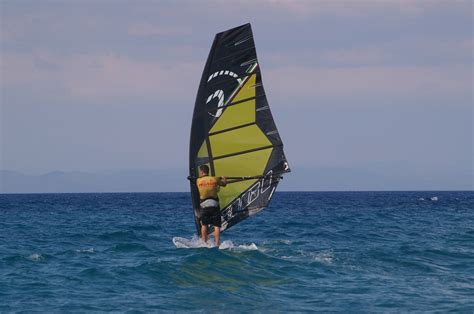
(354, 252)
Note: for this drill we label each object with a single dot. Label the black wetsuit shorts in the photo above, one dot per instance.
(211, 216)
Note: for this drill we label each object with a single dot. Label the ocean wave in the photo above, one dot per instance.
(278, 241)
(119, 235)
(35, 257)
(89, 250)
(324, 257)
(229, 245)
(129, 247)
(94, 272)
(193, 243)
(196, 242)
(431, 198)
(141, 226)
(374, 252)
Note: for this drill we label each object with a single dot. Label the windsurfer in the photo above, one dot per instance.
(208, 187)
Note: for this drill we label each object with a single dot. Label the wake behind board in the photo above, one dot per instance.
(196, 243)
(192, 243)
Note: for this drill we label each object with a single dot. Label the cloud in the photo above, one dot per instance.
(116, 76)
(395, 52)
(148, 29)
(117, 79)
(370, 85)
(360, 9)
(403, 71)
(142, 63)
(99, 79)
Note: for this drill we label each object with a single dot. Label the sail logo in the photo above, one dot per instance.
(243, 202)
(219, 94)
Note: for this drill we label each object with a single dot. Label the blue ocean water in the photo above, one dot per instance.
(315, 251)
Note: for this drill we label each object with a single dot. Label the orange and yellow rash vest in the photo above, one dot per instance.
(208, 187)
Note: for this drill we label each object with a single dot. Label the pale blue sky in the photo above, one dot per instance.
(383, 87)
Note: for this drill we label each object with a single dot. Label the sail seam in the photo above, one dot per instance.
(241, 101)
(243, 126)
(232, 128)
(242, 41)
(246, 99)
(246, 151)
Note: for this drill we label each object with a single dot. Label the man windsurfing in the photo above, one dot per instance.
(208, 187)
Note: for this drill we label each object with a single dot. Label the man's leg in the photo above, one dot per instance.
(204, 232)
(217, 235)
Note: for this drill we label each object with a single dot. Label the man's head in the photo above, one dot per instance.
(203, 170)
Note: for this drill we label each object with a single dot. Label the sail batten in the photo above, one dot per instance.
(232, 128)
(233, 131)
(245, 152)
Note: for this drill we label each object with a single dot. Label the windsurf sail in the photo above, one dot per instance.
(233, 131)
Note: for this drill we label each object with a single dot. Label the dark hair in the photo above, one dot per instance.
(204, 168)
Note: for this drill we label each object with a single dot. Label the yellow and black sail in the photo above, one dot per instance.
(233, 131)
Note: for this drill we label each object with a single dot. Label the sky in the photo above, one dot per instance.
(357, 88)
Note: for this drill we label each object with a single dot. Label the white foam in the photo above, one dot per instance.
(324, 257)
(193, 243)
(89, 250)
(35, 257)
(229, 245)
(434, 198)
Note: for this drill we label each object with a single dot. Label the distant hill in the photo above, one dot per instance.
(393, 177)
(107, 181)
(173, 180)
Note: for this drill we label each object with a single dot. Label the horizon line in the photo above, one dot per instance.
(157, 192)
